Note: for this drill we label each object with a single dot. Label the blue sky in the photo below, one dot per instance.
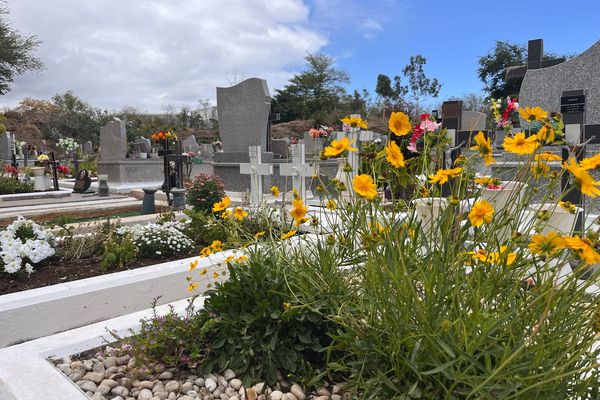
(153, 53)
(452, 35)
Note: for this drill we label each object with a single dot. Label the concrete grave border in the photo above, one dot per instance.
(36, 313)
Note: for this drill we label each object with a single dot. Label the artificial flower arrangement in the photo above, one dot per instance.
(24, 245)
(162, 136)
(69, 145)
(505, 112)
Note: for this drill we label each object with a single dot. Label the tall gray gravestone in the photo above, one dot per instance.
(190, 144)
(113, 141)
(243, 112)
(5, 146)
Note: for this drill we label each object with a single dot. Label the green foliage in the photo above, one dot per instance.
(419, 85)
(204, 191)
(2, 126)
(10, 185)
(16, 56)
(78, 247)
(169, 340)
(493, 65)
(118, 250)
(256, 328)
(203, 228)
(313, 93)
(392, 95)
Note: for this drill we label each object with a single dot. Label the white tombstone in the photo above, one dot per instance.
(573, 133)
(256, 169)
(353, 156)
(297, 169)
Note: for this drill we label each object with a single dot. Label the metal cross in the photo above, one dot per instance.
(297, 169)
(256, 169)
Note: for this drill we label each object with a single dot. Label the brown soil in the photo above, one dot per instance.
(60, 272)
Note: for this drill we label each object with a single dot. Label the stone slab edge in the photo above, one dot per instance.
(35, 313)
(26, 374)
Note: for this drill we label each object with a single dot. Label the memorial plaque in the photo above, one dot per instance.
(82, 182)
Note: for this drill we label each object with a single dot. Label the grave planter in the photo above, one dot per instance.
(39, 180)
(427, 211)
(558, 219)
(504, 198)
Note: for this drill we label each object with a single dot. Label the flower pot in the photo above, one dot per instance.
(428, 210)
(504, 198)
(558, 219)
(39, 180)
(344, 177)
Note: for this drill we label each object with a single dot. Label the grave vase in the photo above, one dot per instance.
(556, 218)
(344, 177)
(428, 210)
(39, 180)
(504, 198)
(103, 189)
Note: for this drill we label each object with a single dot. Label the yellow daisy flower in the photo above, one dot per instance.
(363, 186)
(583, 179)
(288, 235)
(330, 205)
(193, 265)
(240, 214)
(191, 287)
(583, 247)
(531, 114)
(546, 245)
(519, 144)
(482, 212)
(221, 205)
(394, 155)
(299, 210)
(275, 191)
(399, 124)
(484, 146)
(355, 122)
(547, 157)
(337, 147)
(444, 175)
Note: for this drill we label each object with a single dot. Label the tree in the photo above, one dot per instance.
(16, 52)
(75, 119)
(314, 92)
(419, 85)
(2, 126)
(493, 65)
(391, 95)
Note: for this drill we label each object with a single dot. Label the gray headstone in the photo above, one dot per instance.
(243, 112)
(206, 150)
(543, 87)
(366, 136)
(113, 141)
(190, 144)
(280, 147)
(312, 145)
(87, 147)
(5, 146)
(472, 121)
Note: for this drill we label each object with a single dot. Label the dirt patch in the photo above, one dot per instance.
(59, 272)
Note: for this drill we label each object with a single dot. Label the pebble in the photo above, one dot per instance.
(210, 384)
(98, 367)
(98, 396)
(221, 381)
(161, 395)
(109, 382)
(95, 377)
(76, 376)
(230, 391)
(322, 398)
(186, 387)
(235, 383)
(211, 376)
(336, 397)
(217, 393)
(199, 382)
(323, 392)
(228, 374)
(120, 391)
(192, 393)
(87, 385)
(276, 395)
(88, 365)
(297, 391)
(103, 389)
(118, 398)
(145, 394)
(185, 397)
(234, 398)
(166, 375)
(110, 362)
(337, 388)
(172, 396)
(288, 396)
(145, 385)
(223, 396)
(250, 394)
(259, 387)
(172, 386)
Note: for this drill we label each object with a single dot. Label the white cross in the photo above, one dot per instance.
(256, 170)
(297, 169)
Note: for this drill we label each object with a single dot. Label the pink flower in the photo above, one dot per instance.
(412, 147)
(314, 133)
(429, 125)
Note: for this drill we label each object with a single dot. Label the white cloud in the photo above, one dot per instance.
(147, 53)
(370, 28)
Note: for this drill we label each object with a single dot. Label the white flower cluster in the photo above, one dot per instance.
(18, 252)
(68, 144)
(159, 239)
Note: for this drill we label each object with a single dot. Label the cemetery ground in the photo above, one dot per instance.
(419, 264)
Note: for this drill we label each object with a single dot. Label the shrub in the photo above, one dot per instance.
(205, 191)
(158, 240)
(168, 340)
(118, 250)
(10, 185)
(255, 328)
(23, 245)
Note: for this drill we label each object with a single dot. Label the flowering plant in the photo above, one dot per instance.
(158, 240)
(43, 158)
(63, 169)
(505, 112)
(321, 132)
(23, 245)
(67, 144)
(204, 191)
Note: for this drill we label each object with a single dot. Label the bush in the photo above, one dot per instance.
(23, 245)
(158, 240)
(118, 250)
(256, 330)
(205, 191)
(10, 185)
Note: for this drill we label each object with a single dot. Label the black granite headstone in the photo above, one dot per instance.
(82, 182)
